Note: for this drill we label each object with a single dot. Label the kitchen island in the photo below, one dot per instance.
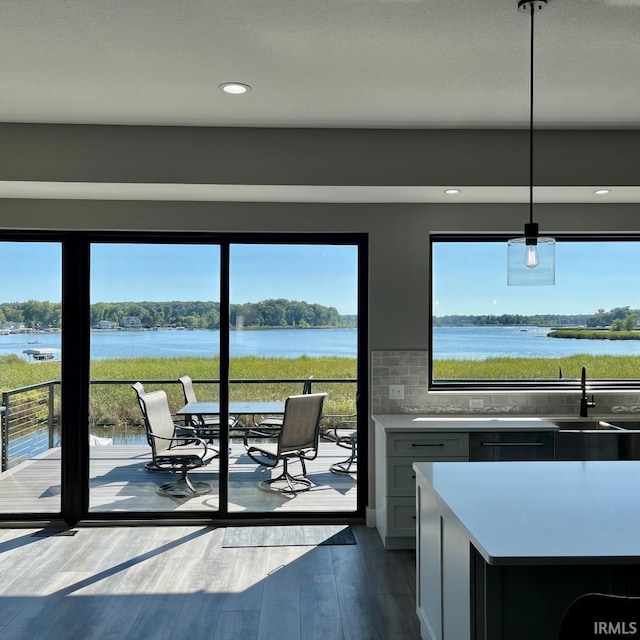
(505, 548)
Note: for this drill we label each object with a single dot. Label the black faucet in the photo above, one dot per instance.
(585, 403)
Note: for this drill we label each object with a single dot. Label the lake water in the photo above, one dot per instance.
(482, 342)
(283, 343)
(448, 343)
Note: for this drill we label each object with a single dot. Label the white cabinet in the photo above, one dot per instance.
(429, 561)
(396, 451)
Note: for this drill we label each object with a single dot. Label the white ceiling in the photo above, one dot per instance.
(319, 63)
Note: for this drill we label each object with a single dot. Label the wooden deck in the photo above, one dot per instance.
(119, 482)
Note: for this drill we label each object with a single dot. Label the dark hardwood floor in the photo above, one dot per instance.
(178, 582)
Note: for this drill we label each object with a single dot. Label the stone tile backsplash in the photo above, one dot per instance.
(411, 369)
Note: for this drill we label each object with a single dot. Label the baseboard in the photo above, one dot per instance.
(370, 517)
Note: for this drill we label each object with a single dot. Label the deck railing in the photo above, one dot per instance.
(29, 416)
(27, 422)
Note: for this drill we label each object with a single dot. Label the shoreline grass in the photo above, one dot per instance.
(116, 403)
(606, 367)
(593, 334)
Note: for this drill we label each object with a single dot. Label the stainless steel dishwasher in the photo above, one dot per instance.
(511, 445)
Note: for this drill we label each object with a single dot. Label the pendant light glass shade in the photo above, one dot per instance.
(532, 264)
(531, 259)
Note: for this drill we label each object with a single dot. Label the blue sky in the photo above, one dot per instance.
(317, 274)
(470, 278)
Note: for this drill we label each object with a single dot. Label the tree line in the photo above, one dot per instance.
(616, 319)
(511, 319)
(196, 314)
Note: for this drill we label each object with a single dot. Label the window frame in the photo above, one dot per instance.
(76, 365)
(569, 385)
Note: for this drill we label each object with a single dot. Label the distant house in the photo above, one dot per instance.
(130, 322)
(13, 327)
(106, 324)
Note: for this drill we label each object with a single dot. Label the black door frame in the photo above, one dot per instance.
(75, 373)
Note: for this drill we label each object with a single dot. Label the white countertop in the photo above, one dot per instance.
(404, 422)
(542, 512)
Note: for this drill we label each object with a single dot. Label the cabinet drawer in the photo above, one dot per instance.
(401, 517)
(426, 446)
(512, 445)
(401, 478)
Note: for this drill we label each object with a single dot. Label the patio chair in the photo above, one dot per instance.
(157, 464)
(344, 436)
(332, 425)
(297, 440)
(138, 387)
(170, 448)
(342, 429)
(268, 426)
(153, 464)
(209, 427)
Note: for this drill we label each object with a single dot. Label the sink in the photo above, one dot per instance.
(592, 424)
(594, 439)
(627, 425)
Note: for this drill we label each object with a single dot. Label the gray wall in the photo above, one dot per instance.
(398, 233)
(315, 156)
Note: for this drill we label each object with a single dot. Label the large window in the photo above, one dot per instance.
(485, 333)
(242, 320)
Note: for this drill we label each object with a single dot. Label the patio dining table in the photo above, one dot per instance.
(235, 408)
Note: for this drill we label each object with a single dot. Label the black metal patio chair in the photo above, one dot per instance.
(171, 449)
(268, 426)
(346, 437)
(297, 441)
(207, 428)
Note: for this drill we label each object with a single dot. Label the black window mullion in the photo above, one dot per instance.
(362, 393)
(75, 379)
(223, 487)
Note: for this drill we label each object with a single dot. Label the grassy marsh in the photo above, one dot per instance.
(116, 403)
(598, 366)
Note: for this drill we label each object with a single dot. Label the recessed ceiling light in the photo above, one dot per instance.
(452, 192)
(235, 88)
(602, 192)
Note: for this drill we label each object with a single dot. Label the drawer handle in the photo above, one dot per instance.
(428, 444)
(511, 444)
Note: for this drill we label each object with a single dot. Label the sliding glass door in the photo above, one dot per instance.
(155, 318)
(237, 323)
(293, 330)
(30, 330)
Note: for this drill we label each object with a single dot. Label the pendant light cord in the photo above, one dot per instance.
(533, 11)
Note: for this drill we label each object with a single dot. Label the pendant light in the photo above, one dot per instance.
(531, 258)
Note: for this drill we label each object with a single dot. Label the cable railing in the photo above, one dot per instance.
(28, 421)
(30, 415)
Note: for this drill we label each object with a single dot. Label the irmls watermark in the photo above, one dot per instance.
(601, 628)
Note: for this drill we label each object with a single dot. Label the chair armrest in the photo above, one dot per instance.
(340, 421)
(259, 432)
(340, 417)
(192, 440)
(182, 430)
